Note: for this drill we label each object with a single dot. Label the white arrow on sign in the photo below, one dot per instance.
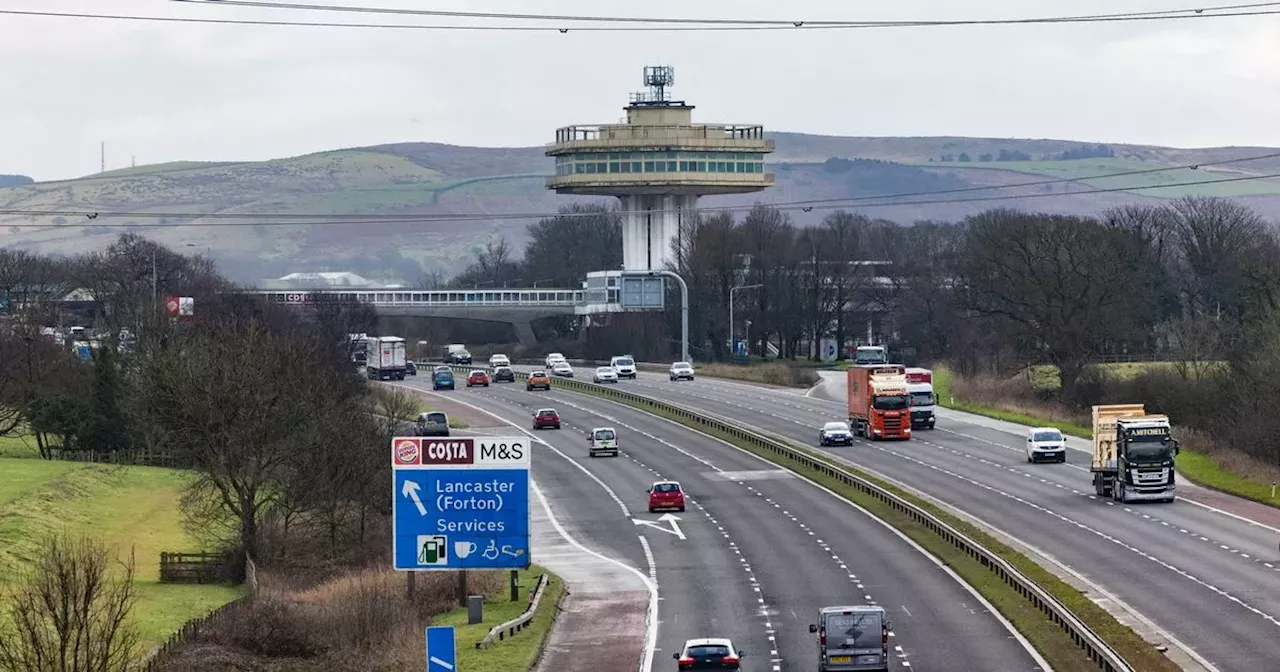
(410, 490)
(666, 518)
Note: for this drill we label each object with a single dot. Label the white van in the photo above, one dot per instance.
(603, 440)
(625, 365)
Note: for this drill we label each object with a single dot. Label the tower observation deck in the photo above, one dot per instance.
(658, 164)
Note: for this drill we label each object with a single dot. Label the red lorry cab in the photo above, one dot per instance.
(879, 404)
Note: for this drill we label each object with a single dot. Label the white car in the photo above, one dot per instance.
(709, 653)
(605, 374)
(681, 370)
(498, 360)
(835, 434)
(625, 365)
(553, 358)
(562, 369)
(1046, 443)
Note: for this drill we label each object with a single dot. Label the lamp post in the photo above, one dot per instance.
(733, 343)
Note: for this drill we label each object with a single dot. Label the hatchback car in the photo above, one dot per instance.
(478, 377)
(552, 359)
(442, 380)
(682, 371)
(666, 495)
(835, 434)
(1046, 443)
(562, 369)
(538, 380)
(504, 374)
(442, 367)
(605, 374)
(410, 369)
(546, 417)
(497, 360)
(433, 423)
(711, 653)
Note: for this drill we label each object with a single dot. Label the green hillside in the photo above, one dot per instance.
(438, 179)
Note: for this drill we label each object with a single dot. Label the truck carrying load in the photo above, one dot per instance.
(385, 358)
(879, 403)
(1132, 454)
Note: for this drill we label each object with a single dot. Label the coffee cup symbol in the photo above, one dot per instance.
(464, 548)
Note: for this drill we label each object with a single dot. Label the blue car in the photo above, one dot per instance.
(442, 380)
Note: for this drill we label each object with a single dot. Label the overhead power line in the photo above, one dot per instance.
(1224, 11)
(576, 18)
(229, 219)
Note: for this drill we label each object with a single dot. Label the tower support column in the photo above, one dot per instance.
(650, 226)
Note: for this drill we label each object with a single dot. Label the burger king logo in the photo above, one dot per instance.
(407, 451)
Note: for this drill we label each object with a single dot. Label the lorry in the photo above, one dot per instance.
(923, 398)
(870, 354)
(879, 404)
(385, 357)
(1132, 454)
(456, 353)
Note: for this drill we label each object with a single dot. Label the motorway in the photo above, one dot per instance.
(1210, 580)
(757, 552)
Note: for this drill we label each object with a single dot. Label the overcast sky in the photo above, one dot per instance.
(164, 92)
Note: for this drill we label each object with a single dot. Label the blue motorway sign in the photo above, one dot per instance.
(460, 503)
(442, 653)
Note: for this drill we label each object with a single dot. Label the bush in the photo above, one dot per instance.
(773, 373)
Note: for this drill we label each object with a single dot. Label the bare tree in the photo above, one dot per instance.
(1196, 346)
(72, 613)
(1215, 238)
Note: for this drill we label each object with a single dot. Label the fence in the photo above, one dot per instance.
(1097, 650)
(155, 659)
(140, 457)
(196, 567)
(511, 627)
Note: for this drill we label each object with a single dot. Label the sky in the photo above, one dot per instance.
(157, 92)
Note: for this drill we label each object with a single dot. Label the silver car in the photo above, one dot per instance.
(852, 639)
(605, 374)
(562, 369)
(682, 371)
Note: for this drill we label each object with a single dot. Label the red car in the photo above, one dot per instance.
(478, 378)
(666, 495)
(546, 417)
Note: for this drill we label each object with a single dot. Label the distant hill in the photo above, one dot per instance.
(432, 178)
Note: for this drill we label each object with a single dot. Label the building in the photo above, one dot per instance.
(658, 164)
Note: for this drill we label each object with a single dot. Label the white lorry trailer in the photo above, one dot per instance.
(385, 357)
(923, 398)
(1132, 454)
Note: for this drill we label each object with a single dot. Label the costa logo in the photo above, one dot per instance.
(407, 451)
(459, 451)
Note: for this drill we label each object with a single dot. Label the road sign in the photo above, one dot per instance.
(646, 293)
(442, 654)
(460, 503)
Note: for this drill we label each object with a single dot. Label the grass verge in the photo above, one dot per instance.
(773, 373)
(520, 652)
(122, 506)
(1051, 641)
(1220, 470)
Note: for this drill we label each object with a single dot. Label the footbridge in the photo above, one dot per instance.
(517, 307)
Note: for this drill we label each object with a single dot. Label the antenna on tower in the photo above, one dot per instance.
(658, 78)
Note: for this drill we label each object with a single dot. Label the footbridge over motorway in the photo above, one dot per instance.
(517, 307)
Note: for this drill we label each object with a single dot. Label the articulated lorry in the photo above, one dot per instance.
(923, 398)
(879, 404)
(384, 358)
(1132, 454)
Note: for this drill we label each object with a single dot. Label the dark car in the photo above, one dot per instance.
(442, 380)
(433, 423)
(478, 377)
(410, 369)
(546, 417)
(504, 374)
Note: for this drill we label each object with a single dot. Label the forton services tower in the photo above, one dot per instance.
(657, 164)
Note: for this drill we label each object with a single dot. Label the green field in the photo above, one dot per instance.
(1088, 170)
(517, 653)
(121, 506)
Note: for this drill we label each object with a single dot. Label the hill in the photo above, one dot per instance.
(432, 178)
(14, 180)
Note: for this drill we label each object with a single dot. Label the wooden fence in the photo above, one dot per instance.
(155, 659)
(196, 567)
(141, 457)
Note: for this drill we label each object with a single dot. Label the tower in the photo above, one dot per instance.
(658, 164)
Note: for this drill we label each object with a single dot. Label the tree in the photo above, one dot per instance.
(1215, 238)
(583, 238)
(72, 613)
(494, 266)
(1065, 283)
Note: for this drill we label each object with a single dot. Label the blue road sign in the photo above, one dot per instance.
(442, 654)
(460, 503)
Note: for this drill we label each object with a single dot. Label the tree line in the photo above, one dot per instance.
(283, 440)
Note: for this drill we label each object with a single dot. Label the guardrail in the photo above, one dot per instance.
(1084, 637)
(511, 627)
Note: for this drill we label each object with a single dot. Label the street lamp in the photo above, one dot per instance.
(732, 342)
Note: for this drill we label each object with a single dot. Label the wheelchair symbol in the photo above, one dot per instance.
(491, 551)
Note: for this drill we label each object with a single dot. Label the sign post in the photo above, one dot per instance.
(442, 653)
(460, 504)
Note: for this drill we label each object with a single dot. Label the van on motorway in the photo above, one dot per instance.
(852, 638)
